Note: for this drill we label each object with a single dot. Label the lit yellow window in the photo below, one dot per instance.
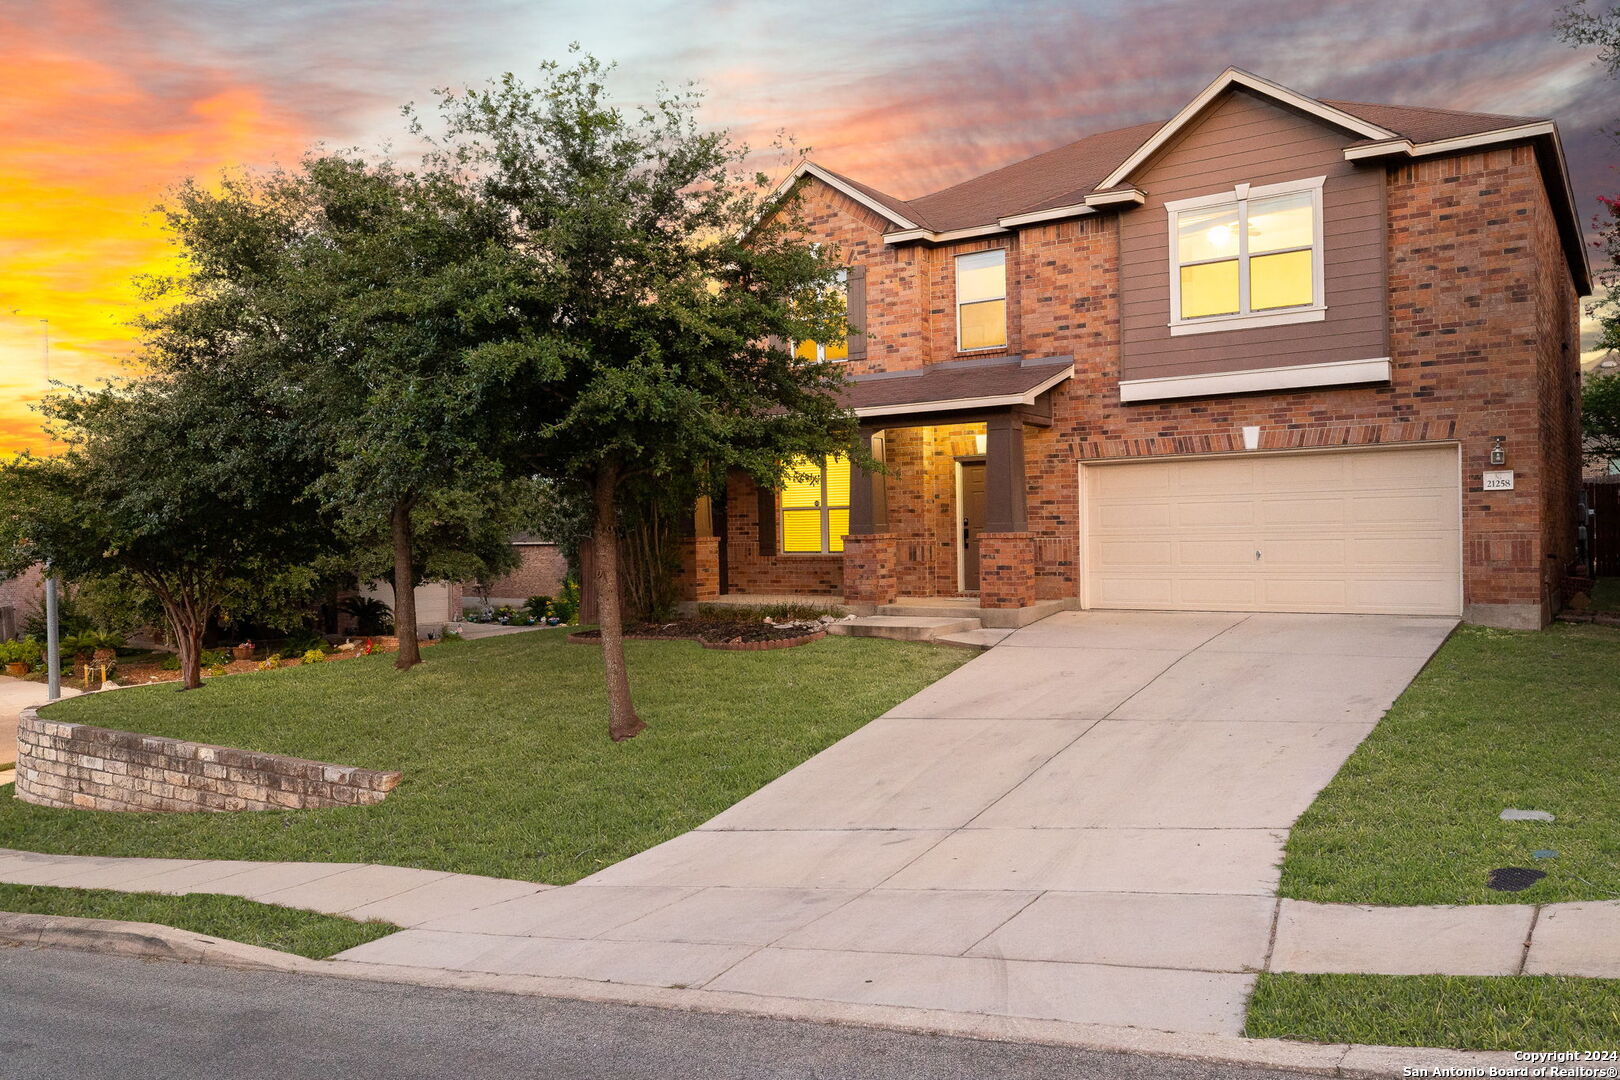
(815, 350)
(981, 300)
(815, 505)
(1247, 256)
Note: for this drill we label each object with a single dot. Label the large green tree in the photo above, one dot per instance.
(663, 283)
(359, 287)
(190, 487)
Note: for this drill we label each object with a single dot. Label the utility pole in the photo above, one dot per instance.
(53, 629)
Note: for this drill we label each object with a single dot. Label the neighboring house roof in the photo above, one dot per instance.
(1091, 172)
(957, 384)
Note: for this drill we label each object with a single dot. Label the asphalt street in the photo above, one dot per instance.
(78, 1016)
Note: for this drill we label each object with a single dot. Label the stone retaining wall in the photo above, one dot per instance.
(76, 766)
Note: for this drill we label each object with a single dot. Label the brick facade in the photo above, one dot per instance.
(870, 565)
(76, 766)
(18, 597)
(700, 568)
(1482, 335)
(1006, 569)
(541, 574)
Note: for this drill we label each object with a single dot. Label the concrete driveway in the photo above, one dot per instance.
(1082, 824)
(15, 696)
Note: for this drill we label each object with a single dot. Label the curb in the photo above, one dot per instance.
(154, 942)
(145, 940)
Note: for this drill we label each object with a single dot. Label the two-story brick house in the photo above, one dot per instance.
(1274, 354)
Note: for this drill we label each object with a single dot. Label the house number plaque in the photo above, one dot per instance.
(1499, 481)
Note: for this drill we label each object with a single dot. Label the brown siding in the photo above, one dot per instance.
(1246, 140)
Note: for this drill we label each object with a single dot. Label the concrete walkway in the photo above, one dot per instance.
(1083, 824)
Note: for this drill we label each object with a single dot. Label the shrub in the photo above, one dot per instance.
(566, 606)
(449, 636)
(371, 615)
(270, 663)
(215, 670)
(27, 651)
(170, 662)
(218, 658)
(301, 641)
(540, 606)
(314, 656)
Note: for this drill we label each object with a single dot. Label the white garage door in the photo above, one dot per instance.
(1366, 532)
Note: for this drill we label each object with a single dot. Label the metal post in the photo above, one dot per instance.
(53, 657)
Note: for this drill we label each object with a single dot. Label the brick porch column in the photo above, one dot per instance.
(1006, 569)
(700, 568)
(869, 568)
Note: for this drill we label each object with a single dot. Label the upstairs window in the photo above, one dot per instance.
(981, 300)
(815, 350)
(1251, 257)
(815, 506)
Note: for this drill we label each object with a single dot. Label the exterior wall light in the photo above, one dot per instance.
(1498, 453)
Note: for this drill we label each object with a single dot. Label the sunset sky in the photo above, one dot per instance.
(105, 103)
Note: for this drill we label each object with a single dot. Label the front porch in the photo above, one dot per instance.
(944, 530)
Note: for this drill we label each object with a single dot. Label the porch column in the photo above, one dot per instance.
(700, 568)
(1006, 547)
(868, 491)
(1004, 486)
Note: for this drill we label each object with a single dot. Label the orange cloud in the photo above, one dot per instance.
(92, 141)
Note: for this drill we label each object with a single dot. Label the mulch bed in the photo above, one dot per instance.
(746, 634)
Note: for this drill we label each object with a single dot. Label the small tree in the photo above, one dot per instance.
(186, 486)
(663, 285)
(358, 288)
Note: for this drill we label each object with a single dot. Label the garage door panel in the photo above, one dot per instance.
(1135, 517)
(1370, 532)
(1213, 553)
(1127, 555)
(1196, 513)
(1217, 593)
(1300, 551)
(1419, 508)
(1221, 478)
(1295, 594)
(1325, 510)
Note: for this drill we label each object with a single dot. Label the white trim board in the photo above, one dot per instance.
(1293, 376)
(810, 168)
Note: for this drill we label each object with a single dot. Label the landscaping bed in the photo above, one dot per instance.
(289, 930)
(715, 632)
(508, 770)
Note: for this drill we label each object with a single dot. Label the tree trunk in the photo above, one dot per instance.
(410, 653)
(623, 723)
(188, 631)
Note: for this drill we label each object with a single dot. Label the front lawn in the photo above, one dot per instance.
(503, 743)
(303, 933)
(1499, 719)
(1523, 1012)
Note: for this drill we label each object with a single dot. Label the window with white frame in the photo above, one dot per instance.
(981, 300)
(818, 350)
(814, 506)
(1248, 257)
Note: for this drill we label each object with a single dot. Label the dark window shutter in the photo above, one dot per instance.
(855, 296)
(767, 522)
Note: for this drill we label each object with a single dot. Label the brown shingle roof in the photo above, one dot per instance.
(1065, 175)
(954, 383)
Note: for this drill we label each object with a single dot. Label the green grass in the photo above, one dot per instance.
(503, 743)
(1606, 595)
(1524, 1012)
(1498, 719)
(303, 933)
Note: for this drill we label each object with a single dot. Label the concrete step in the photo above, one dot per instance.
(902, 627)
(973, 639)
(949, 607)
